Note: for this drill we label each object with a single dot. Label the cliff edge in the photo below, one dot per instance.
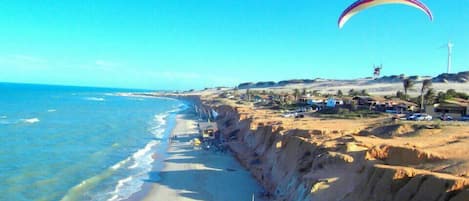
(331, 159)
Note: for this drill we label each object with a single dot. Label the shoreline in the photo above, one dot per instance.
(159, 156)
(196, 174)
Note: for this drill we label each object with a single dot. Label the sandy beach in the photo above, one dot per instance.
(197, 174)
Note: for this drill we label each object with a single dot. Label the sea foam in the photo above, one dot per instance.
(142, 162)
(119, 188)
(30, 121)
(95, 99)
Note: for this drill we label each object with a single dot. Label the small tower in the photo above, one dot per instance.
(450, 52)
(377, 71)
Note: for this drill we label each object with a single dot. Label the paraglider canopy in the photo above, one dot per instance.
(360, 5)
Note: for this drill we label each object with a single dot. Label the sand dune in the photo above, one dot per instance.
(332, 87)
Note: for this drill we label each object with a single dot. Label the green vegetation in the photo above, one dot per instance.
(425, 85)
(430, 96)
(248, 94)
(401, 95)
(296, 93)
(408, 84)
(289, 101)
(454, 94)
(363, 92)
(340, 93)
(316, 93)
(450, 94)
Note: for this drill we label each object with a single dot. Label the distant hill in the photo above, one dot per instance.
(267, 84)
(461, 77)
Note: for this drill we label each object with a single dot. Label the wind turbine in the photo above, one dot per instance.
(450, 52)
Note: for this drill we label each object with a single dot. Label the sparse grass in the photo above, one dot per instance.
(345, 114)
(437, 124)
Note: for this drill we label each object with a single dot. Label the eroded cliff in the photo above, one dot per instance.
(299, 160)
(347, 160)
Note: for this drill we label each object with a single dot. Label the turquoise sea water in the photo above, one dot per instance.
(72, 143)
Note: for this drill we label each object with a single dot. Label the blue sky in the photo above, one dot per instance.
(183, 44)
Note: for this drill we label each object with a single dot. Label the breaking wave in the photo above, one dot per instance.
(130, 174)
(30, 121)
(95, 99)
(142, 162)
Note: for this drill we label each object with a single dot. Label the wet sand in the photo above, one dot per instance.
(197, 174)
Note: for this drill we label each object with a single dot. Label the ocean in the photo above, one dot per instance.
(79, 143)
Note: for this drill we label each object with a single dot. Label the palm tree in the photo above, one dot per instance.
(340, 93)
(430, 96)
(408, 84)
(399, 94)
(364, 93)
(296, 93)
(248, 94)
(315, 92)
(451, 93)
(441, 96)
(425, 85)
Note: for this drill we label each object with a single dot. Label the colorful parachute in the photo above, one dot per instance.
(364, 4)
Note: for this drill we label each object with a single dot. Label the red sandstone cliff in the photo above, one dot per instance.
(314, 159)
